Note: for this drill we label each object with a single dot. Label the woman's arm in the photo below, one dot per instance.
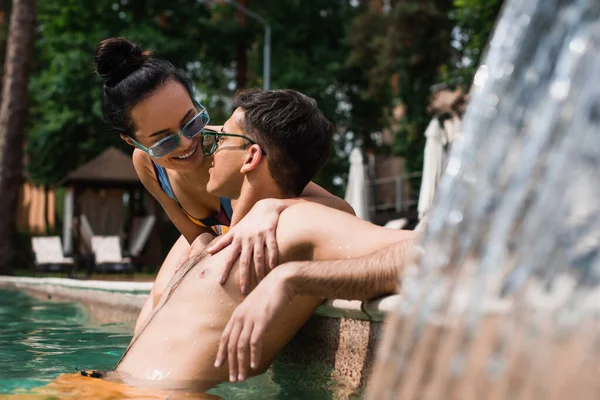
(253, 238)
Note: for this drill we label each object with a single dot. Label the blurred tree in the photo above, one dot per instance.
(241, 58)
(408, 46)
(473, 22)
(310, 47)
(13, 117)
(403, 48)
(356, 58)
(417, 46)
(3, 33)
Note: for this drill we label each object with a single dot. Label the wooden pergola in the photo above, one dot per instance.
(99, 190)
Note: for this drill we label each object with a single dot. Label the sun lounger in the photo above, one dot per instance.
(396, 223)
(49, 255)
(142, 226)
(108, 256)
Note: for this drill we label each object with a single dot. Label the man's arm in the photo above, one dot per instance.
(359, 278)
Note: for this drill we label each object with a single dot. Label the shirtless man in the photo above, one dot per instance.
(272, 146)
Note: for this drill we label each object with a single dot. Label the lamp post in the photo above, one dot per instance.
(267, 45)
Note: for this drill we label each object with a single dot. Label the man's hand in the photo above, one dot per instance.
(242, 339)
(248, 240)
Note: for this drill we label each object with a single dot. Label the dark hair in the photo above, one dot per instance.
(130, 75)
(292, 131)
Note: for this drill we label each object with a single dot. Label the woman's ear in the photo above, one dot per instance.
(253, 158)
(127, 140)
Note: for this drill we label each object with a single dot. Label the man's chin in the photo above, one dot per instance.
(215, 190)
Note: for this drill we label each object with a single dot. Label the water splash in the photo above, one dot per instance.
(505, 302)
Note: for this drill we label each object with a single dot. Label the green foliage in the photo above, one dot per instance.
(408, 44)
(345, 56)
(474, 21)
(311, 40)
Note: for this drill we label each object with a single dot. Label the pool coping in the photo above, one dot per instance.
(372, 310)
(341, 334)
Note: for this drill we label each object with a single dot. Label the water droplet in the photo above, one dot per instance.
(455, 217)
(578, 45)
(480, 77)
(560, 90)
(453, 167)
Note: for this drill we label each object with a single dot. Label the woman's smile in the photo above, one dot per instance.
(188, 154)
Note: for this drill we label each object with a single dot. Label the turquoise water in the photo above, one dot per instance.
(41, 339)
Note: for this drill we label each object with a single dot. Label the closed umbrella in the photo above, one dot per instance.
(432, 165)
(356, 190)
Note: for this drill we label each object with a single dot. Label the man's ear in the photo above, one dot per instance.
(127, 140)
(253, 157)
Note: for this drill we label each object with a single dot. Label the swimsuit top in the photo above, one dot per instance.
(222, 218)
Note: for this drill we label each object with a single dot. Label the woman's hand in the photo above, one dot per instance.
(249, 239)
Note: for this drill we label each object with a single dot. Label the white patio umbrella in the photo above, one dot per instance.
(432, 166)
(356, 190)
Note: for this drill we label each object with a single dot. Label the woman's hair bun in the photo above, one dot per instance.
(116, 58)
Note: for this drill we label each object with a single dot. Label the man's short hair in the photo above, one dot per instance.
(291, 130)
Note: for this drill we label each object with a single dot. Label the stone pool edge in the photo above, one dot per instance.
(342, 334)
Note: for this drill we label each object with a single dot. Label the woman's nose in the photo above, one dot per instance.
(185, 142)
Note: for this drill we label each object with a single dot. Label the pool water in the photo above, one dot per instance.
(41, 339)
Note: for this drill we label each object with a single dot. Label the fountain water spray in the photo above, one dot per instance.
(505, 300)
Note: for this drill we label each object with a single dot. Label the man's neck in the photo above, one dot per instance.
(249, 195)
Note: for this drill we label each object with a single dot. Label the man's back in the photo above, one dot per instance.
(179, 345)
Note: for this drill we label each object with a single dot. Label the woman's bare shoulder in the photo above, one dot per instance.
(143, 168)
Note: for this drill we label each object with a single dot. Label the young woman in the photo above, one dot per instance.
(151, 105)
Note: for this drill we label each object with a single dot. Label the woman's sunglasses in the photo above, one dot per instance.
(210, 141)
(167, 144)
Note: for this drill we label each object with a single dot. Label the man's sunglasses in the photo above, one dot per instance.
(167, 144)
(210, 141)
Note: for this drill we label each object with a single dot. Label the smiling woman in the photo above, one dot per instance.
(151, 104)
(192, 126)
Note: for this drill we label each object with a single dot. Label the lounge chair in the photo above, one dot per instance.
(49, 257)
(396, 223)
(108, 256)
(142, 226)
(85, 253)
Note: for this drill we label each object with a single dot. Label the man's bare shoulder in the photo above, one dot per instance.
(302, 219)
(332, 234)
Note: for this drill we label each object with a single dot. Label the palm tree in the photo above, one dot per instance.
(13, 119)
